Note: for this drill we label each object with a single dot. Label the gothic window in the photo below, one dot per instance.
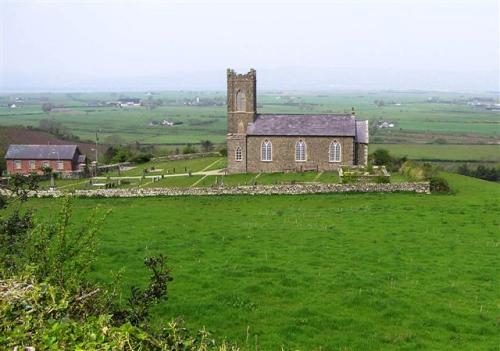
(300, 151)
(266, 151)
(335, 152)
(238, 154)
(241, 101)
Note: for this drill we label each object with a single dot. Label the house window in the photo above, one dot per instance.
(300, 151)
(238, 154)
(45, 164)
(60, 165)
(32, 164)
(18, 164)
(335, 152)
(266, 151)
(241, 101)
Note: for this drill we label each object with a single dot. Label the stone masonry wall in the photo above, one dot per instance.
(292, 189)
(233, 141)
(283, 154)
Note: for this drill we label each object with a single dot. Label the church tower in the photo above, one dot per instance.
(241, 111)
(241, 100)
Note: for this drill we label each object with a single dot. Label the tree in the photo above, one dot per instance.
(381, 157)
(189, 149)
(47, 107)
(206, 145)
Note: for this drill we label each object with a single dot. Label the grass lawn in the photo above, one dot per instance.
(331, 272)
(177, 166)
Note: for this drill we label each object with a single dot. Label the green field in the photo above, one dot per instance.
(443, 152)
(330, 272)
(415, 116)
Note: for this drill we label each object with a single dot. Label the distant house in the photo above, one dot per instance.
(129, 102)
(27, 159)
(167, 123)
(13, 106)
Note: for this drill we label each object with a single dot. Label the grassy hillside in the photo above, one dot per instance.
(329, 272)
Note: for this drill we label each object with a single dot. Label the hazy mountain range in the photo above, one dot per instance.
(292, 78)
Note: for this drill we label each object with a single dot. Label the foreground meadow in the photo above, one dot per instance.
(329, 272)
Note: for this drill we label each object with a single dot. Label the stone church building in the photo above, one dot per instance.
(287, 142)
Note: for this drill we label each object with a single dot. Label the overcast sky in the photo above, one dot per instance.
(66, 42)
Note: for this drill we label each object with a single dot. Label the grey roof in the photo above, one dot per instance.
(303, 125)
(362, 132)
(41, 152)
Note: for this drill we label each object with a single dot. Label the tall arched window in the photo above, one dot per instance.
(300, 151)
(238, 154)
(335, 152)
(241, 101)
(266, 151)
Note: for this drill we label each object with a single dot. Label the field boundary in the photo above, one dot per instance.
(282, 189)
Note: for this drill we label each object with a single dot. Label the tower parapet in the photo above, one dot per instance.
(241, 100)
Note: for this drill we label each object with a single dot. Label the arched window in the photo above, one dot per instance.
(266, 151)
(300, 151)
(335, 152)
(241, 101)
(238, 154)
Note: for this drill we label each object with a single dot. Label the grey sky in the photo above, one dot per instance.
(63, 42)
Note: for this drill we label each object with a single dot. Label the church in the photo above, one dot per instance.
(287, 142)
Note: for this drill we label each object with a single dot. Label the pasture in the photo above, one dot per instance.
(418, 116)
(318, 272)
(431, 152)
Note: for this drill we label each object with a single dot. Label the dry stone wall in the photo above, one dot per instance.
(292, 189)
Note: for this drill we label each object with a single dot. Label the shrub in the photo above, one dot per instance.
(223, 151)
(189, 149)
(382, 179)
(439, 185)
(349, 177)
(381, 157)
(141, 158)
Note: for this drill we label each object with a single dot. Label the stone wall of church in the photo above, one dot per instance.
(283, 154)
(233, 142)
(362, 156)
(238, 117)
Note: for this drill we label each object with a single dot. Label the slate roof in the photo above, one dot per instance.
(303, 125)
(41, 152)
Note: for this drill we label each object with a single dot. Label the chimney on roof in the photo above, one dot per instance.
(353, 113)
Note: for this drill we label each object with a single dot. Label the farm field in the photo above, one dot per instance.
(418, 116)
(329, 272)
(443, 152)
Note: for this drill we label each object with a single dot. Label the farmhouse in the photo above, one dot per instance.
(287, 142)
(27, 159)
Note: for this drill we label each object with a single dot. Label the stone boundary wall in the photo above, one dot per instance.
(292, 189)
(187, 156)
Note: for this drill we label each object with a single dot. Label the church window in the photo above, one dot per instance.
(300, 151)
(241, 101)
(266, 151)
(335, 152)
(238, 154)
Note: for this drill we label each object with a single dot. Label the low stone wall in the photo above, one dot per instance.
(187, 156)
(292, 189)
